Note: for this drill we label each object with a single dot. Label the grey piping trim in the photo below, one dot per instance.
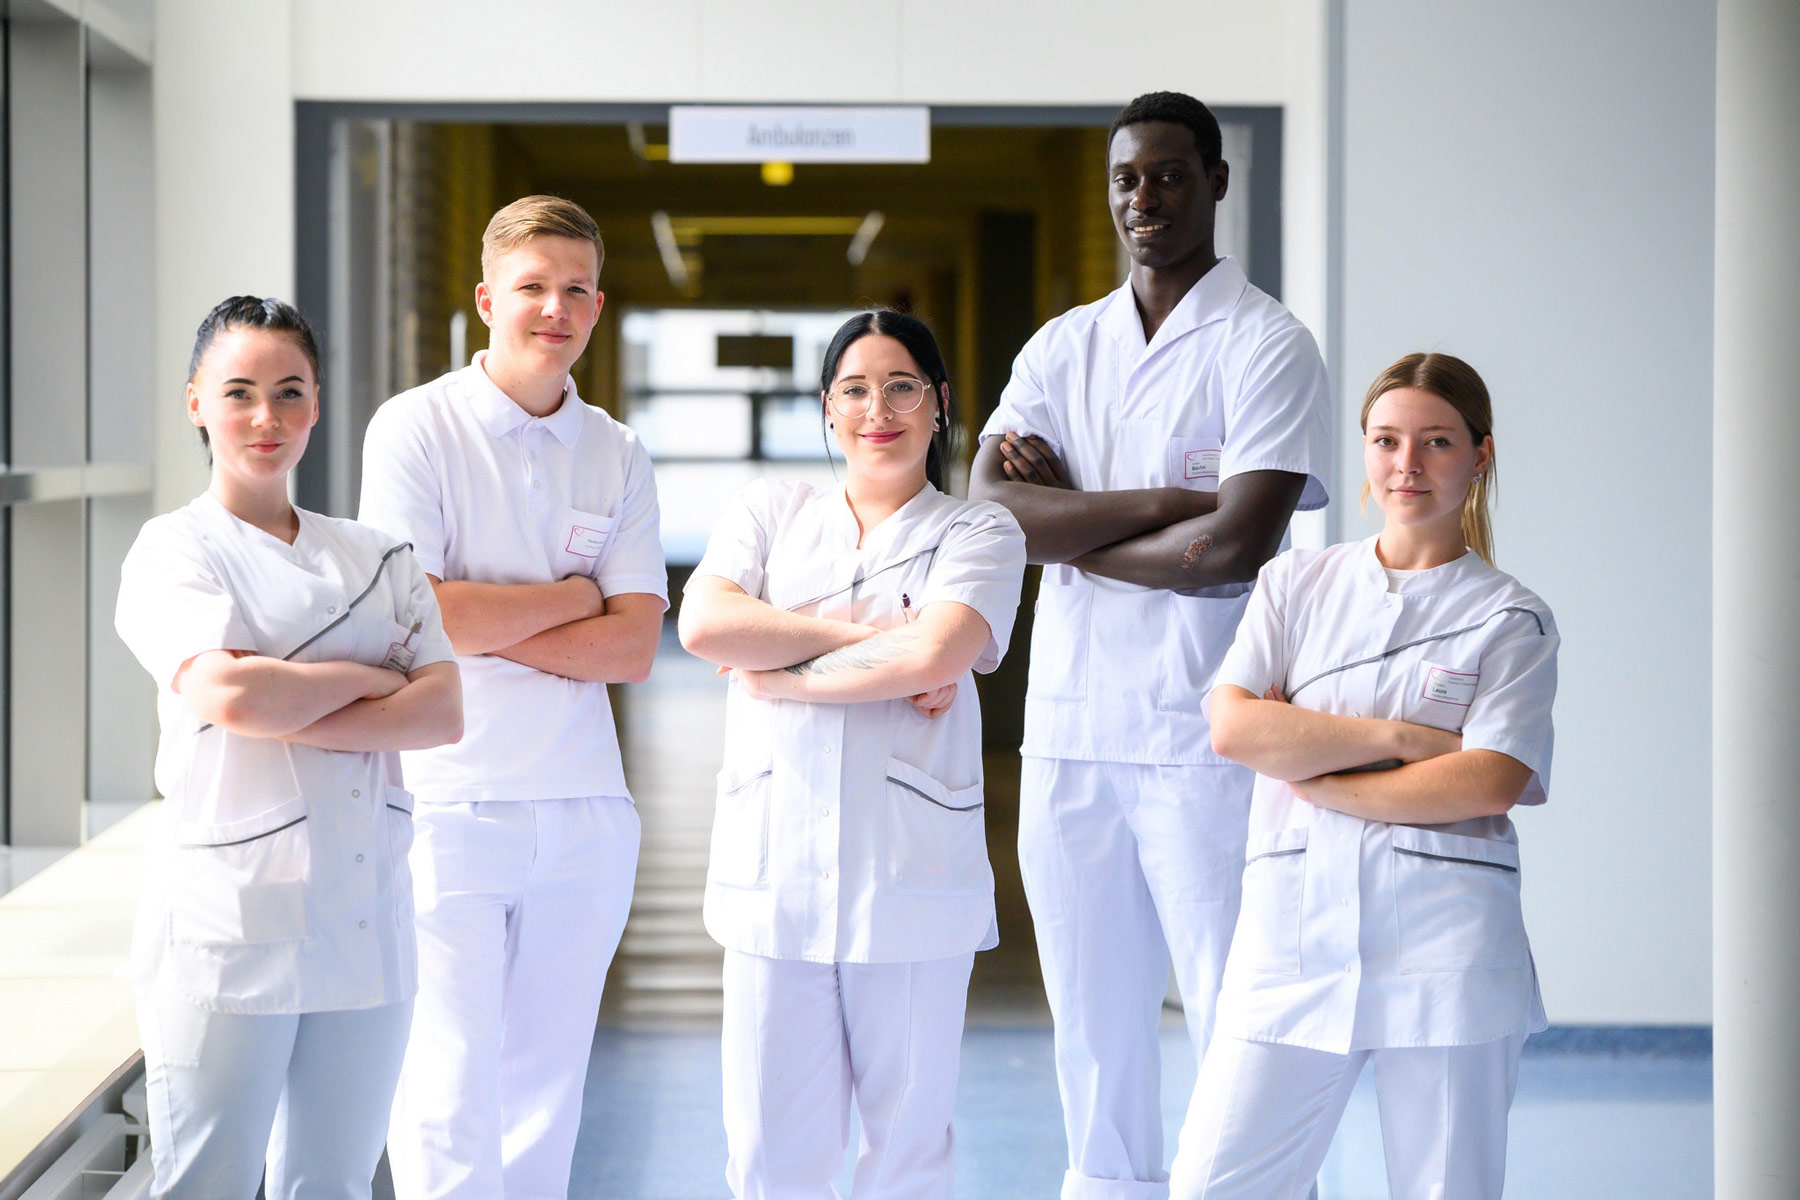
(1274, 854)
(241, 841)
(398, 809)
(1473, 862)
(1436, 637)
(859, 580)
(933, 800)
(744, 783)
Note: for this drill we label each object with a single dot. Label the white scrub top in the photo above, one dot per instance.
(487, 492)
(1359, 934)
(1231, 383)
(854, 832)
(278, 881)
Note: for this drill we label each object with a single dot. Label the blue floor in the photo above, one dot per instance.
(1587, 1123)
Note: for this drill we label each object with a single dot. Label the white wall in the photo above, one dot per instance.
(1529, 186)
(223, 101)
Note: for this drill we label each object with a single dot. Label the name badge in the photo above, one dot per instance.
(585, 541)
(1200, 464)
(1450, 687)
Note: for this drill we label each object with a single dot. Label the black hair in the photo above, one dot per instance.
(252, 312)
(1176, 108)
(916, 336)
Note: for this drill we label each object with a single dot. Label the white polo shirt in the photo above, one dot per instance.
(1231, 383)
(855, 832)
(1360, 934)
(278, 880)
(489, 493)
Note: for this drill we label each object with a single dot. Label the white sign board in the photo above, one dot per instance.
(700, 133)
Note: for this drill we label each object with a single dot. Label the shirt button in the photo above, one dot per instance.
(824, 812)
(331, 608)
(1343, 904)
(362, 924)
(827, 750)
(1347, 967)
(356, 792)
(359, 858)
(824, 874)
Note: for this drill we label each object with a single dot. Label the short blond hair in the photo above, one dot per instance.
(537, 216)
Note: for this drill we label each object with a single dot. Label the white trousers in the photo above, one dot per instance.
(802, 1040)
(1263, 1115)
(1126, 868)
(310, 1091)
(520, 907)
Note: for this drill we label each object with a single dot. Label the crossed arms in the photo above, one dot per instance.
(567, 628)
(332, 705)
(779, 655)
(1438, 781)
(1163, 537)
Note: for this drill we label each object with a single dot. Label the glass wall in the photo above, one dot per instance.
(720, 397)
(76, 713)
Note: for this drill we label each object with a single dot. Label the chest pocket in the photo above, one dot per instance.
(580, 541)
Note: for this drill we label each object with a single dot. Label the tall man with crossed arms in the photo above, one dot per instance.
(1153, 446)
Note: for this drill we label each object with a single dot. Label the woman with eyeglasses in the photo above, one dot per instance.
(274, 962)
(849, 880)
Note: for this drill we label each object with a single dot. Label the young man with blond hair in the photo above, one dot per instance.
(535, 516)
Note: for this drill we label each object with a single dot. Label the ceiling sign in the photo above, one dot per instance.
(703, 133)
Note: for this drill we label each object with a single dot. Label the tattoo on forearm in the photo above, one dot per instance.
(864, 655)
(1190, 558)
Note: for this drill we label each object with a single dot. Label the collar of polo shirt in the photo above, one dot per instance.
(500, 415)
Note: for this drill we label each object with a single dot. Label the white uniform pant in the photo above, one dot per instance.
(520, 907)
(1127, 866)
(1263, 1115)
(309, 1090)
(801, 1040)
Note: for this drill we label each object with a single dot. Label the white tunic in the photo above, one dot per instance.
(854, 832)
(1359, 934)
(487, 492)
(1231, 383)
(278, 883)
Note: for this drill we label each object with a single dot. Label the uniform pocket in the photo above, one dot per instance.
(1268, 931)
(1060, 641)
(1193, 462)
(1456, 902)
(740, 832)
(937, 841)
(581, 540)
(243, 883)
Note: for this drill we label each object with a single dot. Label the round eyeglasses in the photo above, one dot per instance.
(901, 395)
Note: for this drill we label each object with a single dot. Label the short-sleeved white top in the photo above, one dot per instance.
(487, 492)
(854, 832)
(1359, 934)
(278, 881)
(1231, 383)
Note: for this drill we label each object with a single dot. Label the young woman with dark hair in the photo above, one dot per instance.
(294, 654)
(849, 880)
